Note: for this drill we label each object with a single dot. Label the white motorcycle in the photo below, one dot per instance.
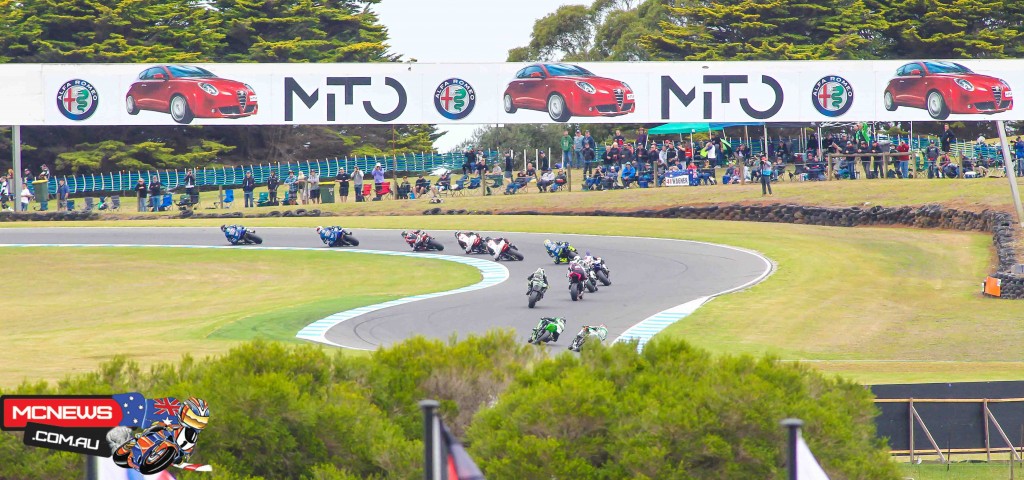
(502, 249)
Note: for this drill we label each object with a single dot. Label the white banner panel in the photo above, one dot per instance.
(640, 92)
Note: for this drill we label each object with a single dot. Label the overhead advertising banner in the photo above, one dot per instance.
(404, 93)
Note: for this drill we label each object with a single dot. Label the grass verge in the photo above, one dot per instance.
(76, 307)
(879, 305)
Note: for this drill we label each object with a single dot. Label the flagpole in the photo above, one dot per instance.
(793, 424)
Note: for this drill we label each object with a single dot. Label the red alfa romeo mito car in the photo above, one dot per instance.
(946, 87)
(188, 92)
(566, 90)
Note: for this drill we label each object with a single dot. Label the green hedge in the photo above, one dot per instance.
(280, 411)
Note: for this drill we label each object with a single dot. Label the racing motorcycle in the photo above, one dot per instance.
(537, 289)
(601, 270)
(591, 282)
(599, 331)
(560, 251)
(152, 452)
(547, 330)
(421, 241)
(502, 249)
(337, 237)
(471, 242)
(577, 280)
(239, 235)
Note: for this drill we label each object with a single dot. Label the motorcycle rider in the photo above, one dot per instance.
(539, 274)
(600, 331)
(557, 321)
(559, 250)
(465, 238)
(418, 235)
(236, 233)
(329, 235)
(576, 266)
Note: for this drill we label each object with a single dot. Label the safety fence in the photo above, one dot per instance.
(425, 162)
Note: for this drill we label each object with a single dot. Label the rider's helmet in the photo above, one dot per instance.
(539, 272)
(319, 228)
(577, 259)
(223, 227)
(194, 413)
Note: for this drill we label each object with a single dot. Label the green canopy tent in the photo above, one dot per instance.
(681, 128)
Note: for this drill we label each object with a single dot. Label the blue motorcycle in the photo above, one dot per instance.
(239, 235)
(337, 237)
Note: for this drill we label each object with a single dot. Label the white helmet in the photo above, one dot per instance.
(318, 228)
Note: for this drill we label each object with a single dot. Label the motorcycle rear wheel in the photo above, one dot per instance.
(574, 291)
(603, 277)
(534, 298)
(352, 240)
(252, 237)
(591, 286)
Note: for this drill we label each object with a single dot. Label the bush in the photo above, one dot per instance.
(280, 411)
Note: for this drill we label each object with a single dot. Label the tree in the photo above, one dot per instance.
(953, 28)
(174, 31)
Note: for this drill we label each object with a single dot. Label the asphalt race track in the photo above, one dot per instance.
(648, 276)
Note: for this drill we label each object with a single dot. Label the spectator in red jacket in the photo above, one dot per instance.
(904, 159)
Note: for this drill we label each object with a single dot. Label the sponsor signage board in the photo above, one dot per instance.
(508, 93)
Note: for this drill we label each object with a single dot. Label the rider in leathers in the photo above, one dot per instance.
(538, 274)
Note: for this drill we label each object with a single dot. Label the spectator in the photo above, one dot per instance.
(626, 154)
(467, 164)
(190, 187)
(947, 138)
(731, 175)
(509, 167)
(404, 189)
(378, 180)
(422, 186)
(272, 183)
(712, 153)
(44, 174)
(444, 182)
(248, 186)
(865, 160)
(588, 159)
(27, 178)
(1019, 147)
(876, 159)
(357, 183)
(904, 159)
(314, 186)
(980, 142)
(26, 197)
(567, 150)
(578, 144)
(628, 174)
(613, 155)
(140, 193)
(155, 188)
(587, 139)
(530, 171)
(766, 176)
(618, 139)
(546, 180)
(302, 186)
(707, 174)
(611, 178)
(641, 138)
(342, 178)
(496, 170)
(481, 165)
(289, 184)
(62, 196)
(4, 193)
(932, 155)
(663, 154)
(560, 178)
(543, 162)
(949, 169)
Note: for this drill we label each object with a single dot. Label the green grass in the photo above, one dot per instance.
(961, 471)
(878, 305)
(961, 193)
(72, 308)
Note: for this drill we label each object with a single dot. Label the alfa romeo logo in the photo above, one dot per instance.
(454, 99)
(832, 96)
(77, 99)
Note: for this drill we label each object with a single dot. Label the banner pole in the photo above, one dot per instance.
(14, 191)
(1010, 176)
(793, 424)
(429, 408)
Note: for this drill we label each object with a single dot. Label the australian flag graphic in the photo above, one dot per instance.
(139, 412)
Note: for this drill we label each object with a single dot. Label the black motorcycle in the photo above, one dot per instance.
(601, 271)
(537, 289)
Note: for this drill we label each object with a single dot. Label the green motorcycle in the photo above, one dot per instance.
(547, 330)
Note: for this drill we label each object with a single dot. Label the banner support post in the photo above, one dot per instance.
(14, 191)
(429, 408)
(793, 424)
(1010, 176)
